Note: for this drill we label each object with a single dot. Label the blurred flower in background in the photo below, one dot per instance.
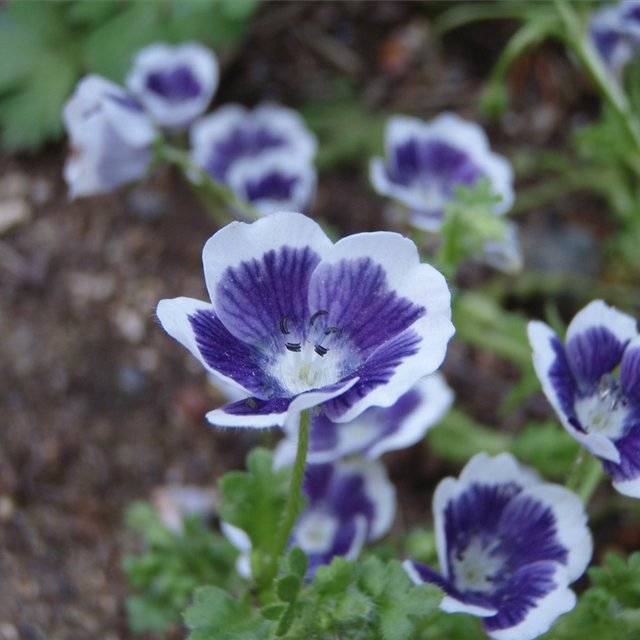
(174, 83)
(349, 503)
(426, 161)
(264, 155)
(111, 138)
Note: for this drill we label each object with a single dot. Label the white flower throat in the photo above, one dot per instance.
(604, 411)
(313, 362)
(476, 567)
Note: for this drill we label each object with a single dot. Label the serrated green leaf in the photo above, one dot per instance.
(215, 615)
(334, 578)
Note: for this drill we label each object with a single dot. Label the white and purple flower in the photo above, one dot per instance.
(377, 430)
(174, 83)
(593, 383)
(610, 39)
(111, 138)
(348, 505)
(275, 181)
(265, 155)
(427, 161)
(297, 321)
(509, 546)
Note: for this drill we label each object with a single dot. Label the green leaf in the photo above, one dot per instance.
(215, 615)
(399, 604)
(32, 114)
(287, 587)
(254, 500)
(164, 576)
(274, 611)
(297, 561)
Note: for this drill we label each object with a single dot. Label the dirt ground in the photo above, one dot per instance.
(97, 405)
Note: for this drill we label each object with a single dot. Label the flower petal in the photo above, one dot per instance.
(194, 324)
(559, 386)
(626, 474)
(258, 273)
(175, 83)
(262, 414)
(532, 600)
(630, 371)
(592, 354)
(547, 522)
(274, 181)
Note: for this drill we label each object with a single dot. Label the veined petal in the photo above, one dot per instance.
(259, 273)
(195, 325)
(533, 600)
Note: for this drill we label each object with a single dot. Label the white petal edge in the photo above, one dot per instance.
(541, 618)
(629, 488)
(598, 313)
(220, 418)
(449, 604)
(540, 336)
(242, 241)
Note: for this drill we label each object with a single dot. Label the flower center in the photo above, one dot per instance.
(476, 566)
(315, 532)
(313, 362)
(604, 411)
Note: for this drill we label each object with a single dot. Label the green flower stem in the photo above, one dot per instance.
(221, 203)
(585, 475)
(295, 502)
(610, 89)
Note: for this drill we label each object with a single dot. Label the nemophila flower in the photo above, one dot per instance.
(593, 383)
(297, 321)
(348, 505)
(111, 138)
(174, 83)
(508, 547)
(427, 161)
(232, 133)
(275, 181)
(610, 38)
(377, 430)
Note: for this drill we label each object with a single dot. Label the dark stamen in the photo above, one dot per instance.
(320, 350)
(336, 330)
(316, 315)
(293, 346)
(284, 325)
